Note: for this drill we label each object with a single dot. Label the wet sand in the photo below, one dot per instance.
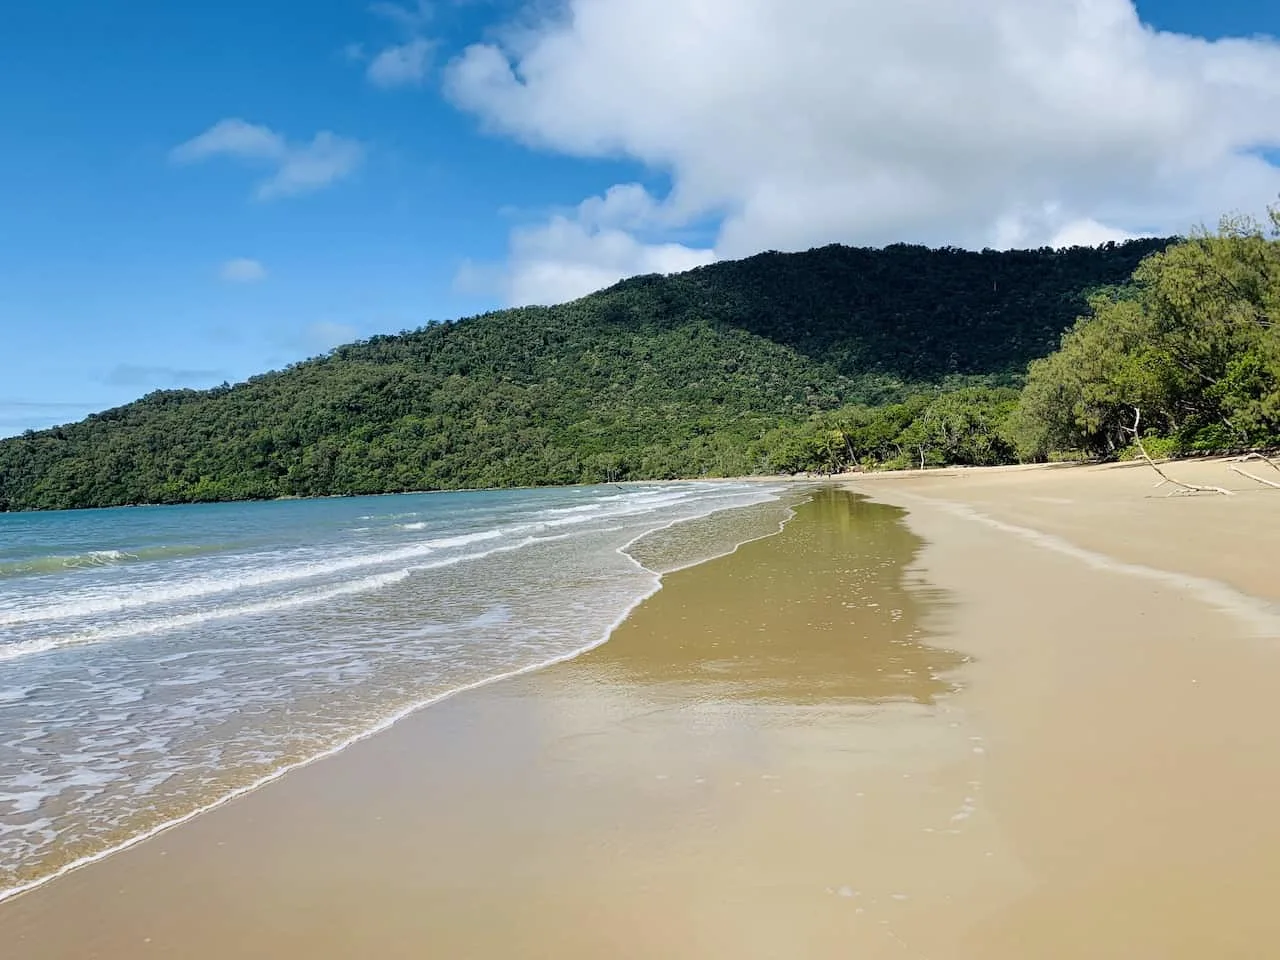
(952, 730)
(1126, 647)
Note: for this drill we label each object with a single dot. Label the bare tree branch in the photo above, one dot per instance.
(1164, 477)
(1251, 476)
(1258, 456)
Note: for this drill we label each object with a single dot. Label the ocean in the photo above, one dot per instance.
(157, 661)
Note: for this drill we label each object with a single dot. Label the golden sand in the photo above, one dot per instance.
(784, 753)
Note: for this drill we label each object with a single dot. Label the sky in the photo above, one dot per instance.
(191, 193)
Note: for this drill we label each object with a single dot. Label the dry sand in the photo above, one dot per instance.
(1125, 683)
(789, 753)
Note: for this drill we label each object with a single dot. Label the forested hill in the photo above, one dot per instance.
(655, 377)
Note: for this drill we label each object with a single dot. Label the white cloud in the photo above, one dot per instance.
(232, 138)
(1030, 228)
(298, 167)
(326, 334)
(325, 159)
(242, 270)
(970, 122)
(1088, 233)
(572, 255)
(401, 65)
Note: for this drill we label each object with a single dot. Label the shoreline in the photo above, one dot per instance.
(686, 788)
(527, 695)
(386, 723)
(290, 498)
(1070, 502)
(1141, 816)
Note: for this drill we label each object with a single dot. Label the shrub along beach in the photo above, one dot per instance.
(990, 710)
(737, 368)
(640, 480)
(823, 361)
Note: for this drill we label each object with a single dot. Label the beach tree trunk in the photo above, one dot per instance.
(1164, 477)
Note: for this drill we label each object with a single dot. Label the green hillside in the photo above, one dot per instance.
(656, 377)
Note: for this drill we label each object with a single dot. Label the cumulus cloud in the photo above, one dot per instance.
(969, 122)
(242, 270)
(1088, 233)
(400, 65)
(297, 167)
(577, 253)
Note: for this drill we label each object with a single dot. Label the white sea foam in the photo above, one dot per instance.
(160, 721)
(135, 628)
(106, 556)
(285, 571)
(202, 587)
(378, 727)
(562, 511)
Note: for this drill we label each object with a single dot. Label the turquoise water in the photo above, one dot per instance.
(156, 660)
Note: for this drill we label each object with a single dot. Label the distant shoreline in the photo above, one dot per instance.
(289, 498)
(705, 788)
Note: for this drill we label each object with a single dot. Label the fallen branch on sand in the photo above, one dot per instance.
(1183, 488)
(1252, 476)
(1257, 456)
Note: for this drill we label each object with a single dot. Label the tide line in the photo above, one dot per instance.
(394, 718)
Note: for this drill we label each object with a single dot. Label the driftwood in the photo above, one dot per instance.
(1250, 458)
(1254, 476)
(1183, 488)
(1257, 456)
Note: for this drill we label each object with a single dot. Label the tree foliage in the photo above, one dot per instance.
(968, 426)
(727, 369)
(1192, 343)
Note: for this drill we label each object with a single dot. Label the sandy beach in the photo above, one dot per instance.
(1006, 713)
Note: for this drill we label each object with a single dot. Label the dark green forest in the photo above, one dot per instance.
(1183, 358)
(781, 362)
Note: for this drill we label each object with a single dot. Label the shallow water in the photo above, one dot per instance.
(759, 763)
(155, 660)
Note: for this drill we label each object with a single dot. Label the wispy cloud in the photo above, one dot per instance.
(138, 375)
(326, 334)
(242, 270)
(298, 167)
(401, 65)
(233, 138)
(41, 405)
(405, 63)
(575, 253)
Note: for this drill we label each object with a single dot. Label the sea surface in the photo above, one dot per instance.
(155, 661)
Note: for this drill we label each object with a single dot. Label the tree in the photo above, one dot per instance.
(813, 360)
(1192, 342)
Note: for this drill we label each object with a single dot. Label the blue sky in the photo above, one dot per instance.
(438, 187)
